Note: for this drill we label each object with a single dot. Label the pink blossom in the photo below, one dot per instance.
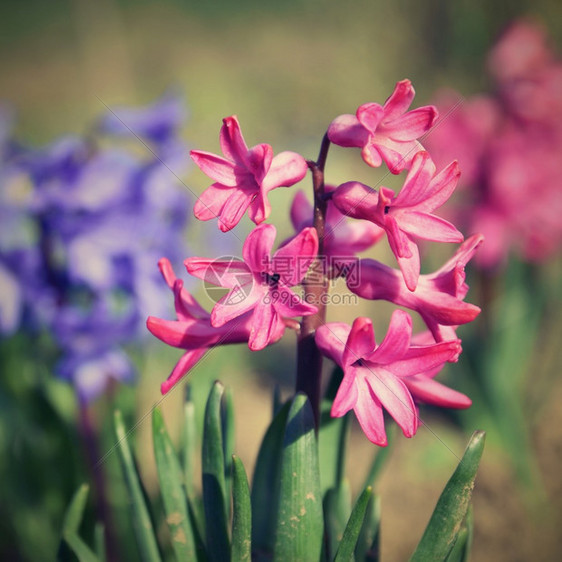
(343, 239)
(375, 376)
(408, 215)
(243, 177)
(261, 283)
(438, 297)
(193, 331)
(385, 132)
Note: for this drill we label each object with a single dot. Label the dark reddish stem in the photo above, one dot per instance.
(309, 362)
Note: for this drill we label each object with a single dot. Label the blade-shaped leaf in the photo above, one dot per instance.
(353, 528)
(337, 509)
(300, 525)
(266, 484)
(80, 548)
(332, 441)
(99, 541)
(446, 520)
(227, 418)
(368, 548)
(142, 523)
(214, 493)
(241, 514)
(75, 511)
(172, 490)
(189, 441)
(461, 549)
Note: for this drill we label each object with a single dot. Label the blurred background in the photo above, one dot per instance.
(286, 69)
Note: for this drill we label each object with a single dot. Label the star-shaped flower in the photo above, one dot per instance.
(374, 376)
(243, 178)
(385, 132)
(193, 330)
(409, 214)
(261, 283)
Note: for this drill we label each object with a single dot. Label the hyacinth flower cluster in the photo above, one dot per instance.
(83, 221)
(508, 144)
(394, 375)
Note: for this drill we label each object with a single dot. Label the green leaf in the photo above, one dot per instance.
(214, 487)
(300, 525)
(189, 442)
(75, 511)
(337, 509)
(446, 520)
(227, 419)
(80, 548)
(266, 484)
(242, 513)
(353, 528)
(99, 541)
(171, 487)
(367, 548)
(461, 549)
(71, 525)
(142, 523)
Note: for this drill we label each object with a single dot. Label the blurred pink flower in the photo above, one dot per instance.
(375, 376)
(193, 331)
(243, 177)
(261, 283)
(385, 132)
(408, 215)
(438, 297)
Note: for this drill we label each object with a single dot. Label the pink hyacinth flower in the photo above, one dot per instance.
(385, 132)
(374, 376)
(261, 283)
(193, 331)
(243, 177)
(438, 297)
(343, 239)
(409, 214)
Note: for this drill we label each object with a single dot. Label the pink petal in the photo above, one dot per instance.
(396, 342)
(410, 268)
(398, 155)
(346, 131)
(259, 160)
(447, 309)
(301, 211)
(399, 101)
(231, 140)
(346, 396)
(370, 115)
(211, 202)
(234, 208)
(234, 304)
(290, 304)
(355, 199)
(421, 359)
(331, 338)
(264, 326)
(186, 362)
(361, 341)
(260, 208)
(441, 187)
(401, 244)
(411, 125)
(368, 410)
(293, 260)
(432, 392)
(429, 227)
(221, 273)
(414, 190)
(216, 167)
(394, 395)
(257, 248)
(371, 155)
(287, 168)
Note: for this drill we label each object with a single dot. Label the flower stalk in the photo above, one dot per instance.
(315, 284)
